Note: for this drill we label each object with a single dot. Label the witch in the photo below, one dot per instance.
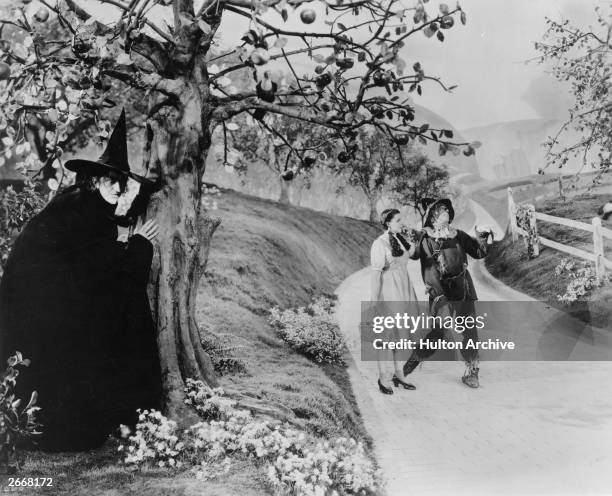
(73, 300)
(442, 251)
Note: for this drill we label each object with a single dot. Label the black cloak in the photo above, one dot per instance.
(73, 300)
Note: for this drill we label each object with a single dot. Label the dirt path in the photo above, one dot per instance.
(532, 427)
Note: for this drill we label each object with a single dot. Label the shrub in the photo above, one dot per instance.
(15, 424)
(311, 330)
(222, 354)
(16, 209)
(582, 280)
(156, 441)
(295, 462)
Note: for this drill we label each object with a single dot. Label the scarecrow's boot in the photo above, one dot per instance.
(470, 378)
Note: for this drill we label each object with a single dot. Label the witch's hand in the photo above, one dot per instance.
(148, 230)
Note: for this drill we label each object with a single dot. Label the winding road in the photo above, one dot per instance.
(533, 427)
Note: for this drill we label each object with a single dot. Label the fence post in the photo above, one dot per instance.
(598, 248)
(512, 215)
(532, 231)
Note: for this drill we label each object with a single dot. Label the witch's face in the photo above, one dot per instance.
(109, 188)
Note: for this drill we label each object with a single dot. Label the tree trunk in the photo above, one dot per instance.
(284, 192)
(178, 140)
(373, 198)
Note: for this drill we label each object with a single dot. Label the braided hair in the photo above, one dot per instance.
(397, 241)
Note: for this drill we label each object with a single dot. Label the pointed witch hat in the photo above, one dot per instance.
(114, 158)
(429, 204)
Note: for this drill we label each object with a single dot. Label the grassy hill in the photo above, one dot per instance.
(508, 261)
(263, 254)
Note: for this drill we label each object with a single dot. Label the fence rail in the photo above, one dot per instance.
(531, 235)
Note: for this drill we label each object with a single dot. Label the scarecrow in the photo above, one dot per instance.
(443, 251)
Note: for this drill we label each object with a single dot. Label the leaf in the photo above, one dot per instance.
(361, 56)
(444, 9)
(448, 133)
(284, 15)
(475, 144)
(422, 140)
(424, 128)
(440, 35)
(428, 32)
(463, 18)
(342, 26)
(280, 43)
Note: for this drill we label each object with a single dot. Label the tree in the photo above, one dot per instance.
(370, 166)
(296, 152)
(420, 179)
(355, 78)
(582, 58)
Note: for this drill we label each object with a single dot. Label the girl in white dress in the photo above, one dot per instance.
(390, 255)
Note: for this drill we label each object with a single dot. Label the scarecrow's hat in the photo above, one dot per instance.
(429, 204)
(114, 158)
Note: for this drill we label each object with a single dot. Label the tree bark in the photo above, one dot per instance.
(178, 140)
(373, 198)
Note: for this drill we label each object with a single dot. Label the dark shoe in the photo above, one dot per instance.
(384, 389)
(411, 364)
(470, 378)
(397, 382)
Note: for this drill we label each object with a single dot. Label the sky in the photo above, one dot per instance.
(486, 59)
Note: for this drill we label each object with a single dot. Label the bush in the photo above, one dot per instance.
(582, 280)
(312, 331)
(222, 354)
(15, 424)
(16, 209)
(295, 463)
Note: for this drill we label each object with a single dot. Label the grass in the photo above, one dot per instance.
(263, 254)
(508, 261)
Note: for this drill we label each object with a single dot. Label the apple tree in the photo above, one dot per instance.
(581, 57)
(348, 69)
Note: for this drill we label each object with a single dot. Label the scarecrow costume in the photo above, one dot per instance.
(443, 252)
(73, 300)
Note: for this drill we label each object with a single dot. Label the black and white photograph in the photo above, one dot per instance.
(306, 247)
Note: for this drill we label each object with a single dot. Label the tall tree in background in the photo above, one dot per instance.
(421, 178)
(352, 77)
(582, 57)
(296, 151)
(371, 165)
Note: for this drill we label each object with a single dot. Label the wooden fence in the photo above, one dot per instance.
(599, 233)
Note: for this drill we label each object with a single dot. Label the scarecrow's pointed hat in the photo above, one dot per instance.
(429, 204)
(114, 157)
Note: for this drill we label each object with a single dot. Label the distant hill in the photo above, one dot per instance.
(514, 149)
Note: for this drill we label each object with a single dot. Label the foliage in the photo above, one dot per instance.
(582, 280)
(15, 423)
(16, 209)
(222, 354)
(295, 463)
(419, 179)
(582, 58)
(297, 150)
(62, 67)
(311, 330)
